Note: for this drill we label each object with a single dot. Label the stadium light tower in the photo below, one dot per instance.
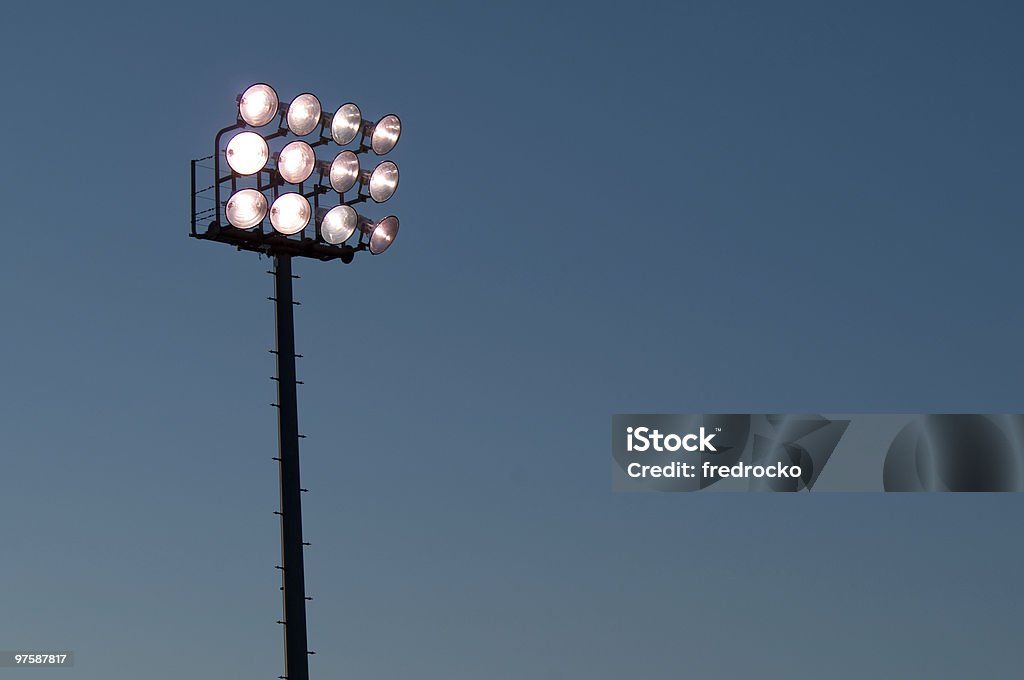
(276, 177)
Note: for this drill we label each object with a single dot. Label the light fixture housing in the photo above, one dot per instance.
(385, 134)
(383, 181)
(344, 172)
(346, 124)
(304, 114)
(247, 153)
(258, 105)
(382, 234)
(337, 224)
(289, 213)
(296, 161)
(246, 208)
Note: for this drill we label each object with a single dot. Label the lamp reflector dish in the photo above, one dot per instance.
(383, 181)
(290, 213)
(345, 125)
(385, 134)
(247, 153)
(383, 235)
(338, 224)
(296, 162)
(246, 208)
(258, 105)
(304, 114)
(344, 171)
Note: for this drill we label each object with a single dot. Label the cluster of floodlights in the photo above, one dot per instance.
(248, 154)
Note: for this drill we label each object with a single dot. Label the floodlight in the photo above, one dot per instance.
(304, 114)
(258, 105)
(382, 234)
(246, 208)
(337, 224)
(383, 181)
(295, 162)
(290, 213)
(272, 198)
(344, 171)
(385, 134)
(345, 125)
(247, 153)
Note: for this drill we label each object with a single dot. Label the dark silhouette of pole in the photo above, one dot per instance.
(296, 662)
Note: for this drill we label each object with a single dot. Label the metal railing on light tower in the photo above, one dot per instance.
(292, 189)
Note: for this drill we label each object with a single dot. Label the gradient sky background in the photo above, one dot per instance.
(606, 207)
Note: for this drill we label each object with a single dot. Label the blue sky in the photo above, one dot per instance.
(686, 207)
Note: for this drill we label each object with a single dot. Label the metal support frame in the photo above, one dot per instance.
(292, 575)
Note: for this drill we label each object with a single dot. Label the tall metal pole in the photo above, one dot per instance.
(296, 662)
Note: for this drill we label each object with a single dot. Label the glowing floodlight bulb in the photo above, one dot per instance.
(247, 153)
(290, 213)
(304, 114)
(345, 125)
(383, 181)
(246, 208)
(258, 105)
(382, 234)
(337, 224)
(385, 134)
(296, 161)
(344, 171)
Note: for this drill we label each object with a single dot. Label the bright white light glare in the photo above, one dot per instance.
(290, 213)
(246, 209)
(344, 171)
(247, 153)
(296, 161)
(345, 125)
(383, 235)
(337, 224)
(304, 114)
(258, 105)
(385, 134)
(383, 181)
